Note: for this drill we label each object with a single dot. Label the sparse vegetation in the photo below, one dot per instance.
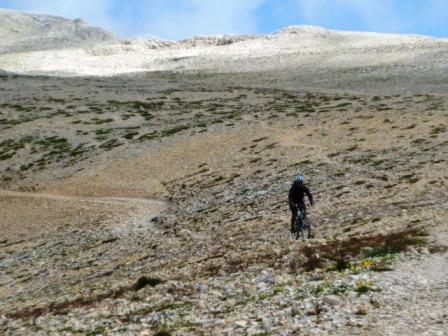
(223, 156)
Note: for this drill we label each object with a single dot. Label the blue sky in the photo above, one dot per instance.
(177, 19)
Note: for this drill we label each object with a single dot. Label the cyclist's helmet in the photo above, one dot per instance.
(299, 179)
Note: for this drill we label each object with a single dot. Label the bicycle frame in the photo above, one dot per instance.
(300, 225)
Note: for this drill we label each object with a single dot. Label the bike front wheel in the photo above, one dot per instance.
(308, 228)
(299, 228)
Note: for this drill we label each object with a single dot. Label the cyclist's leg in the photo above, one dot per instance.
(293, 216)
(302, 208)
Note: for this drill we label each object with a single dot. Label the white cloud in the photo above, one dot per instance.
(373, 14)
(173, 19)
(377, 15)
(177, 19)
(196, 17)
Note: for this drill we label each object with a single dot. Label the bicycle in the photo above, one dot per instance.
(301, 223)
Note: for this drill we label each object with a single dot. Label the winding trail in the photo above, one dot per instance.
(127, 211)
(98, 199)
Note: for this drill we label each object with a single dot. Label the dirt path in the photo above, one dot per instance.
(113, 200)
(26, 214)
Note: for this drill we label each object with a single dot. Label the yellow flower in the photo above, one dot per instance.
(367, 263)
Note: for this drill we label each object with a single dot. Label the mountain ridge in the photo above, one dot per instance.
(309, 56)
(21, 32)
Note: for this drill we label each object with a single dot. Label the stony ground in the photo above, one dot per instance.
(87, 249)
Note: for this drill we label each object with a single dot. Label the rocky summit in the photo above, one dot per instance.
(24, 32)
(155, 203)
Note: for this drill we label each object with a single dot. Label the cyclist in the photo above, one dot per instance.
(296, 198)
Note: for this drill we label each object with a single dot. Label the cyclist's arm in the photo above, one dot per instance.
(291, 197)
(310, 197)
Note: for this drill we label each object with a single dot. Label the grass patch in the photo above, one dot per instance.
(373, 246)
(174, 130)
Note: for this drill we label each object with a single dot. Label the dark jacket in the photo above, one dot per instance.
(297, 194)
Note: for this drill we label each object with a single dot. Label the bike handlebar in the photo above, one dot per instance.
(297, 205)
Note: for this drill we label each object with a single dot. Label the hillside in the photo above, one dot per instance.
(24, 32)
(87, 249)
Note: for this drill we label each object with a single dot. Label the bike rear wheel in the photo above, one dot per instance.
(298, 227)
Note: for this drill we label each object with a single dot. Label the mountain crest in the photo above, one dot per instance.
(21, 31)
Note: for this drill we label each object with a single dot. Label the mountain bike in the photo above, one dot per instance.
(301, 223)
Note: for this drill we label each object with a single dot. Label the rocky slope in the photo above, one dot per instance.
(219, 260)
(24, 32)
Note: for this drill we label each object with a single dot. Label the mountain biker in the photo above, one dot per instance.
(296, 198)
